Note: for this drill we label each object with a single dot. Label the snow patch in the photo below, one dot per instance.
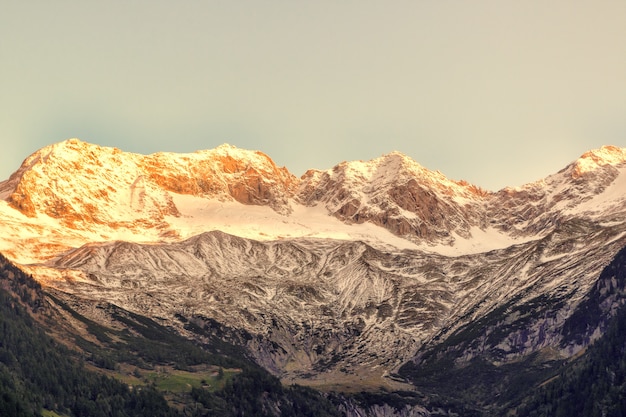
(480, 241)
(262, 223)
(613, 196)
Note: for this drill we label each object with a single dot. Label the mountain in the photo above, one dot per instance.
(129, 366)
(398, 194)
(371, 275)
(74, 193)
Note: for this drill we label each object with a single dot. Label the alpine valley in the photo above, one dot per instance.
(217, 283)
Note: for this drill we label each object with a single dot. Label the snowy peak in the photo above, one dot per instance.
(79, 182)
(592, 187)
(598, 158)
(65, 179)
(226, 172)
(424, 206)
(397, 193)
(387, 171)
(71, 193)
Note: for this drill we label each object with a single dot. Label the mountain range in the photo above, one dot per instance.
(376, 277)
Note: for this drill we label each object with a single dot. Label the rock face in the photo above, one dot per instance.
(355, 271)
(84, 188)
(83, 183)
(398, 194)
(314, 310)
(579, 187)
(247, 177)
(73, 192)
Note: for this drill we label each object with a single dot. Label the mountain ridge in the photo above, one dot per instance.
(90, 193)
(370, 274)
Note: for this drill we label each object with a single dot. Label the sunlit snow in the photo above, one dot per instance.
(262, 223)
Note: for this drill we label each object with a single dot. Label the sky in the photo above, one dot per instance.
(498, 93)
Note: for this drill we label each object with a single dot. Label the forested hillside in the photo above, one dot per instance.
(37, 373)
(40, 376)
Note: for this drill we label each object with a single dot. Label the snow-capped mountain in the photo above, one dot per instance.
(73, 193)
(398, 194)
(94, 193)
(342, 275)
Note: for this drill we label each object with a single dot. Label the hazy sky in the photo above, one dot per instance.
(494, 92)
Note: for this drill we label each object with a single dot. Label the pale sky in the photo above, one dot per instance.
(494, 92)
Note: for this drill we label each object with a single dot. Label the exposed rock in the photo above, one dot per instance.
(314, 309)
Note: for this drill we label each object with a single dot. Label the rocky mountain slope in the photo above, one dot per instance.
(372, 273)
(73, 193)
(310, 308)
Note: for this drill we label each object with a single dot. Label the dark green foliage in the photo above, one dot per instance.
(36, 372)
(158, 345)
(21, 285)
(217, 333)
(398, 400)
(488, 330)
(256, 393)
(479, 387)
(592, 386)
(11, 402)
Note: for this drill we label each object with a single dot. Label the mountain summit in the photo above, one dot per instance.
(75, 192)
(77, 181)
(396, 193)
